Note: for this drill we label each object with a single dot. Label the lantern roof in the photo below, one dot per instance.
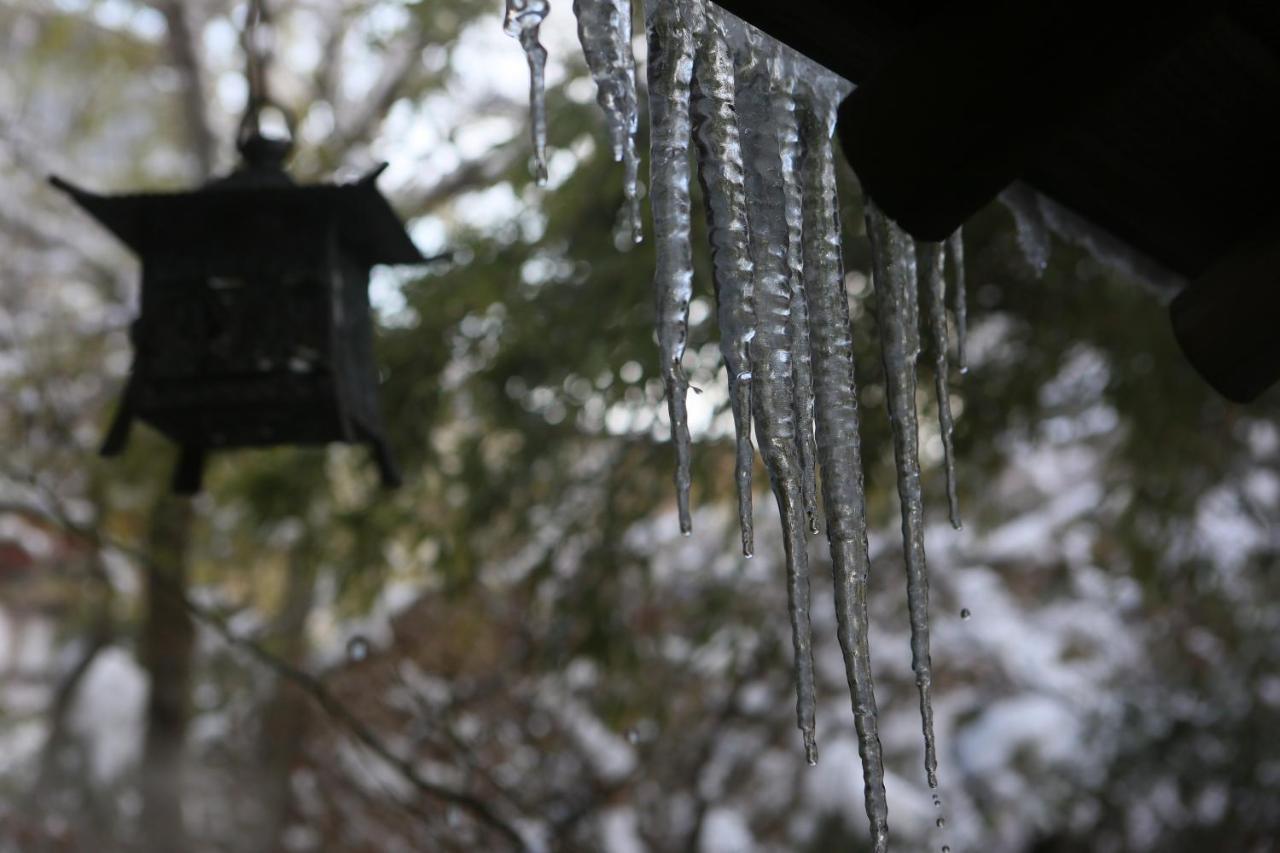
(154, 223)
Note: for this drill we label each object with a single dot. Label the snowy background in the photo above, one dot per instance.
(522, 626)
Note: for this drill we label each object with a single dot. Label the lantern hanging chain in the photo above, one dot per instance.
(259, 49)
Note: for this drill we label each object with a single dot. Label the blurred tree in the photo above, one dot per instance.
(521, 627)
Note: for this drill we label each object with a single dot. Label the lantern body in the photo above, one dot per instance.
(255, 325)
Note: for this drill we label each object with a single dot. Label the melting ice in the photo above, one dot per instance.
(522, 21)
(604, 30)
(760, 120)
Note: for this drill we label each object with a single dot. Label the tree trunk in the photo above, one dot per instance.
(167, 642)
(282, 730)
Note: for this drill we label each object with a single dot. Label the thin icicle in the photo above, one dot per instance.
(772, 383)
(894, 275)
(784, 119)
(955, 260)
(522, 21)
(600, 24)
(715, 126)
(631, 184)
(839, 450)
(1031, 229)
(672, 26)
(604, 31)
(631, 116)
(933, 279)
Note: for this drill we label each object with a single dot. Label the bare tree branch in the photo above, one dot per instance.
(185, 56)
(481, 172)
(99, 638)
(325, 85)
(729, 712)
(304, 680)
(402, 60)
(36, 233)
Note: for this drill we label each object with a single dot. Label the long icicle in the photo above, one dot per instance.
(772, 384)
(955, 252)
(784, 118)
(720, 172)
(894, 275)
(522, 21)
(604, 31)
(933, 279)
(672, 26)
(631, 114)
(839, 449)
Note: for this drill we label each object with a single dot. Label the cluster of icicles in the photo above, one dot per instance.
(760, 119)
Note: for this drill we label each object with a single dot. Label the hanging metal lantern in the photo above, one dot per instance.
(254, 326)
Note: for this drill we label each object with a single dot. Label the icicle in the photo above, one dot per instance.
(631, 116)
(932, 275)
(599, 32)
(772, 385)
(1031, 230)
(715, 125)
(604, 31)
(1033, 239)
(839, 450)
(784, 119)
(522, 21)
(631, 184)
(894, 276)
(672, 25)
(955, 254)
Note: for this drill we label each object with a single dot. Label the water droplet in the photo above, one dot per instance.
(964, 613)
(357, 648)
(942, 821)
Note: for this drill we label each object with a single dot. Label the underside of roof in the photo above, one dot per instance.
(1156, 124)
